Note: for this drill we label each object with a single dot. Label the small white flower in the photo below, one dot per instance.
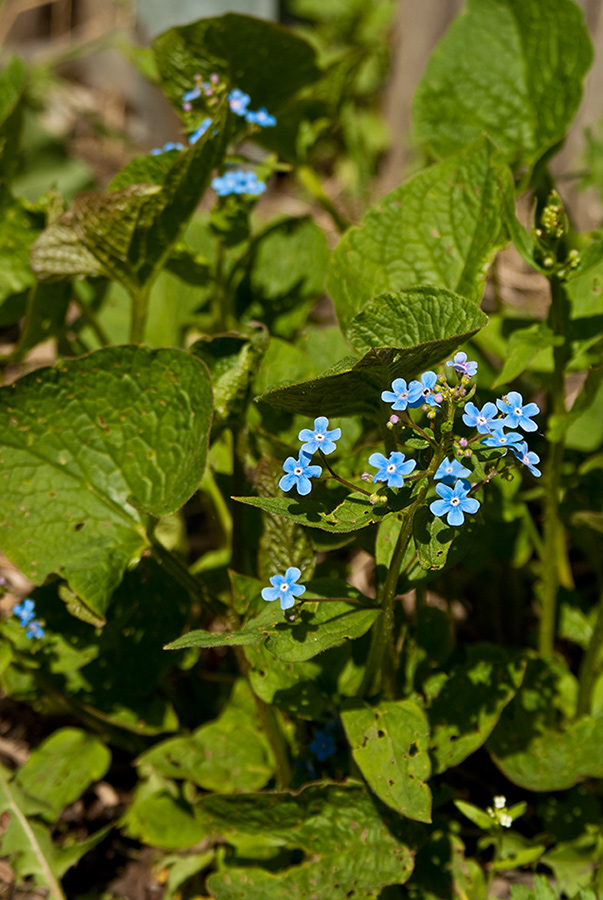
(500, 802)
(506, 821)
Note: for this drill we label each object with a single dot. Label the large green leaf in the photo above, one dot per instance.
(535, 748)
(126, 235)
(415, 317)
(350, 848)
(230, 754)
(12, 85)
(59, 770)
(268, 62)
(390, 744)
(509, 68)
(85, 448)
(442, 227)
(464, 706)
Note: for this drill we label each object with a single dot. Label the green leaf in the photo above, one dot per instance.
(161, 819)
(12, 85)
(328, 514)
(390, 746)
(253, 632)
(126, 235)
(414, 317)
(230, 754)
(464, 709)
(18, 230)
(295, 688)
(232, 360)
(22, 840)
(284, 275)
(533, 749)
(268, 62)
(350, 848)
(283, 543)
(441, 227)
(88, 445)
(433, 539)
(524, 349)
(475, 815)
(59, 770)
(506, 69)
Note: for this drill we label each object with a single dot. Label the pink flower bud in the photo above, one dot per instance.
(187, 107)
(394, 419)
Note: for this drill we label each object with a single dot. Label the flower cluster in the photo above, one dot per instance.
(26, 612)
(410, 396)
(238, 181)
(157, 151)
(238, 102)
(299, 471)
(499, 812)
(509, 412)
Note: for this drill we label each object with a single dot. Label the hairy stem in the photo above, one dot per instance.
(341, 480)
(140, 312)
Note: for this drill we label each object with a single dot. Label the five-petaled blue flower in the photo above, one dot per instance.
(499, 439)
(461, 365)
(238, 182)
(398, 396)
(284, 588)
(454, 503)
(320, 438)
(483, 419)
(516, 414)
(527, 457)
(34, 630)
(298, 473)
(238, 102)
(261, 118)
(25, 611)
(323, 746)
(392, 470)
(422, 391)
(450, 471)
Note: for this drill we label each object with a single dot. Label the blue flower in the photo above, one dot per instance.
(34, 630)
(320, 438)
(194, 137)
(166, 148)
(391, 470)
(500, 439)
(323, 746)
(238, 102)
(516, 414)
(422, 391)
(238, 182)
(461, 365)
(483, 419)
(298, 473)
(193, 94)
(449, 471)
(284, 588)
(398, 396)
(261, 118)
(455, 501)
(527, 457)
(25, 611)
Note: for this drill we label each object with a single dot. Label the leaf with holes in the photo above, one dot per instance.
(521, 83)
(390, 744)
(348, 846)
(442, 227)
(89, 446)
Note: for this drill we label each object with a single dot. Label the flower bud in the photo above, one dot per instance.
(366, 476)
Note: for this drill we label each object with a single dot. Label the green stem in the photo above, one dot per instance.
(140, 312)
(271, 726)
(312, 183)
(552, 482)
(220, 295)
(181, 574)
(237, 510)
(91, 320)
(590, 664)
(341, 480)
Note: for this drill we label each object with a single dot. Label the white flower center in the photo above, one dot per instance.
(391, 468)
(426, 391)
(481, 420)
(284, 586)
(518, 410)
(298, 470)
(449, 470)
(454, 501)
(319, 437)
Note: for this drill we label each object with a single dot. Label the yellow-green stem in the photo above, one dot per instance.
(139, 313)
(312, 183)
(590, 664)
